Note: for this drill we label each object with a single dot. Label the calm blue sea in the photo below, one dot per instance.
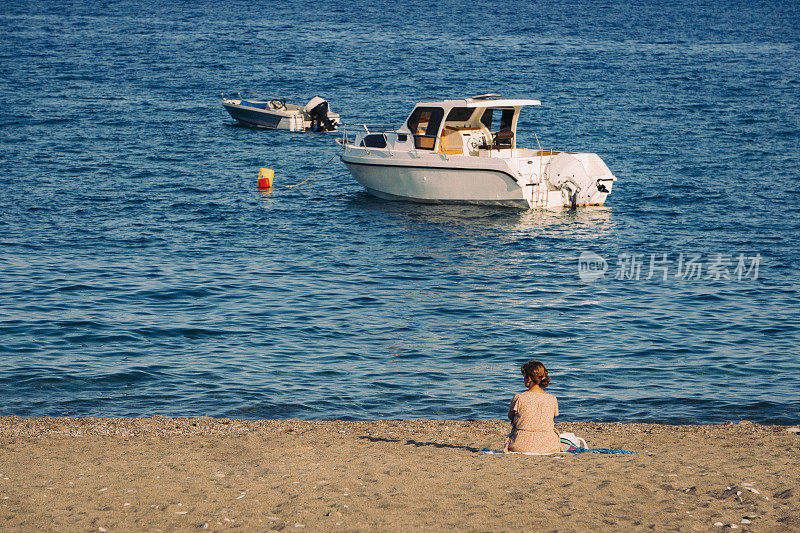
(142, 272)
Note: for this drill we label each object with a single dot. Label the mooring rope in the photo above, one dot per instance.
(314, 174)
(205, 109)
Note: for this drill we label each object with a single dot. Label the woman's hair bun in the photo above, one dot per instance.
(536, 371)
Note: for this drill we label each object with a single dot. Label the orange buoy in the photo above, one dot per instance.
(265, 178)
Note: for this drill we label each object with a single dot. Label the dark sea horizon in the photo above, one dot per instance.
(143, 272)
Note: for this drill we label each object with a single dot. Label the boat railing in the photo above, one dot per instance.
(245, 95)
(231, 96)
(251, 94)
(363, 130)
(391, 138)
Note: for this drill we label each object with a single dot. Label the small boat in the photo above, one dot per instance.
(277, 114)
(465, 151)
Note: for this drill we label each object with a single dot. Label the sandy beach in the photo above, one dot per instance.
(184, 474)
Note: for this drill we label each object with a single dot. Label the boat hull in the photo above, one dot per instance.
(265, 119)
(430, 184)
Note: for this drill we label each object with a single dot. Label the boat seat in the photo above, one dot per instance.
(254, 104)
(504, 138)
(501, 139)
(451, 141)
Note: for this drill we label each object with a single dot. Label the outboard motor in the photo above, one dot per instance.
(317, 109)
(568, 174)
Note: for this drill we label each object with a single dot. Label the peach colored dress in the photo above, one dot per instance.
(532, 429)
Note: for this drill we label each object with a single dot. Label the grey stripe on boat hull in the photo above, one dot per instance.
(511, 178)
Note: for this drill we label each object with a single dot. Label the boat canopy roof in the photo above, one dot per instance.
(491, 115)
(481, 102)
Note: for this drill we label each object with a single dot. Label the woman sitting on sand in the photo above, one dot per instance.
(531, 414)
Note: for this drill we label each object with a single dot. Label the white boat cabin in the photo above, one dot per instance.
(477, 126)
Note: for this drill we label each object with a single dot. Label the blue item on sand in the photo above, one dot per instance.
(572, 450)
(598, 450)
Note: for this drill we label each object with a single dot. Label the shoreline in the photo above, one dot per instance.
(163, 473)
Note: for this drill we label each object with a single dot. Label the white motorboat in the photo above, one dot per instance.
(277, 114)
(465, 151)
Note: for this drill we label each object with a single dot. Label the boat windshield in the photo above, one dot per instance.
(460, 114)
(424, 124)
(498, 121)
(500, 126)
